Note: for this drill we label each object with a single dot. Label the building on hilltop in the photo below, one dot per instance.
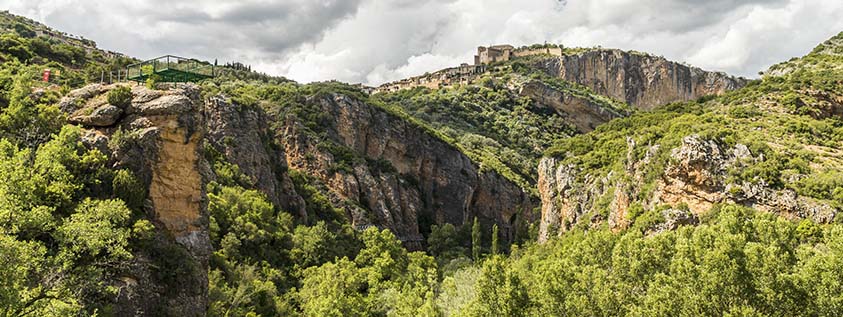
(463, 74)
(503, 53)
(494, 53)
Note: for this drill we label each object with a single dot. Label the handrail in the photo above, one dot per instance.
(172, 68)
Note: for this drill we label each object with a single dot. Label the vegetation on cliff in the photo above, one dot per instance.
(791, 120)
(736, 261)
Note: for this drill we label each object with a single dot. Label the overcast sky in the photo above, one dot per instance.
(374, 41)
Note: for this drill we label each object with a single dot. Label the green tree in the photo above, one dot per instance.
(334, 289)
(475, 240)
(499, 291)
(445, 241)
(383, 258)
(495, 249)
(15, 46)
(27, 121)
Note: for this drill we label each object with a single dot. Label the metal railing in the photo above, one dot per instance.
(171, 68)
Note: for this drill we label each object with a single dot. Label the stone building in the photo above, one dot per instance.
(463, 74)
(502, 53)
(494, 53)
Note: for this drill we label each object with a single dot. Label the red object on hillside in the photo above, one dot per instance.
(46, 75)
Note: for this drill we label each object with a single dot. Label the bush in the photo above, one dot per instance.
(120, 96)
(129, 189)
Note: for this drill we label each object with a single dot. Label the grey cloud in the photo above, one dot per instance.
(235, 30)
(373, 41)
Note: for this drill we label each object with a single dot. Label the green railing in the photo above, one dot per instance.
(169, 68)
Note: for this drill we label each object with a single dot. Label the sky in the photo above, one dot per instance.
(376, 41)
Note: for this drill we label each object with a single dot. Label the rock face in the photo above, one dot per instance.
(157, 138)
(401, 177)
(641, 80)
(695, 177)
(245, 138)
(407, 178)
(581, 112)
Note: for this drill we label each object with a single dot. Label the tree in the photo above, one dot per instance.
(40, 278)
(495, 249)
(120, 96)
(475, 240)
(16, 46)
(499, 291)
(444, 241)
(27, 121)
(333, 289)
(383, 258)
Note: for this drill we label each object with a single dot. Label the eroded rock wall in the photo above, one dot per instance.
(245, 137)
(581, 112)
(696, 178)
(644, 81)
(425, 180)
(156, 136)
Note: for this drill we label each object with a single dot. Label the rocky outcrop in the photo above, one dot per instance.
(695, 178)
(400, 177)
(157, 137)
(641, 80)
(245, 138)
(583, 113)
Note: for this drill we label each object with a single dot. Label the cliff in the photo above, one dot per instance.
(695, 180)
(397, 175)
(156, 134)
(761, 146)
(584, 113)
(641, 80)
(245, 138)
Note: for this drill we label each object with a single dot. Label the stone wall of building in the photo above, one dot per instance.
(465, 73)
(462, 74)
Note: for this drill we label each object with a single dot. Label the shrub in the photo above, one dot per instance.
(127, 187)
(120, 96)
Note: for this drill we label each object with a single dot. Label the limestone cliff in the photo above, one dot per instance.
(642, 80)
(695, 178)
(156, 135)
(403, 178)
(245, 138)
(583, 113)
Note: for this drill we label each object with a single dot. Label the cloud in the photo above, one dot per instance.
(765, 36)
(251, 30)
(374, 41)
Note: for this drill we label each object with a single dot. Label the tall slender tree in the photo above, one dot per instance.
(475, 240)
(495, 246)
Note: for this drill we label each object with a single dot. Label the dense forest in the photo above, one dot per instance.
(69, 224)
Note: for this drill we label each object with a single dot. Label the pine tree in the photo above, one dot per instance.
(495, 249)
(475, 240)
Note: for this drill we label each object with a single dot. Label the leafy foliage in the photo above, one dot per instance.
(120, 96)
(60, 241)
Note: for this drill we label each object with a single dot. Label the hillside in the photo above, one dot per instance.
(664, 189)
(772, 146)
(506, 116)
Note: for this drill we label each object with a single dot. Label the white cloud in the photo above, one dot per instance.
(374, 41)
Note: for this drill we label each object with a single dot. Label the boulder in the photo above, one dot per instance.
(103, 116)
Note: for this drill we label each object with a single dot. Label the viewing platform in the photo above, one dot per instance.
(169, 68)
